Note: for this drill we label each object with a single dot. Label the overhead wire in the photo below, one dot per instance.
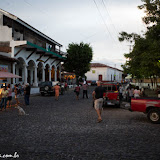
(105, 23)
(115, 29)
(109, 16)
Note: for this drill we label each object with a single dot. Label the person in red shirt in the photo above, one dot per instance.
(65, 86)
(77, 91)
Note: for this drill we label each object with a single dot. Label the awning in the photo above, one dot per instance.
(10, 59)
(46, 51)
(8, 75)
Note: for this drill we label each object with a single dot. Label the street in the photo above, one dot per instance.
(68, 129)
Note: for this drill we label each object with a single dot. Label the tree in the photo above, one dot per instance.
(143, 60)
(152, 10)
(78, 58)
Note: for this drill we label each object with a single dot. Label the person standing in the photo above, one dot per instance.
(98, 100)
(4, 94)
(27, 90)
(130, 93)
(65, 86)
(17, 94)
(9, 99)
(84, 86)
(136, 92)
(120, 93)
(57, 90)
(77, 91)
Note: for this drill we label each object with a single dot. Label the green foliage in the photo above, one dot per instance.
(78, 58)
(142, 61)
(152, 10)
(128, 37)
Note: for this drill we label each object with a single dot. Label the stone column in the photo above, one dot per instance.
(49, 74)
(25, 73)
(60, 73)
(55, 74)
(43, 74)
(35, 84)
(13, 70)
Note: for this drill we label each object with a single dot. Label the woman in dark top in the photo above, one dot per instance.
(27, 93)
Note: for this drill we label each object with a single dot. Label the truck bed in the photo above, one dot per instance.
(141, 104)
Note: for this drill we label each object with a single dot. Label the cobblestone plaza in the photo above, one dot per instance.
(68, 129)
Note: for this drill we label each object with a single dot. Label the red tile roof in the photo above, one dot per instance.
(103, 65)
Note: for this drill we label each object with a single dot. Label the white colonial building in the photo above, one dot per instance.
(27, 52)
(103, 72)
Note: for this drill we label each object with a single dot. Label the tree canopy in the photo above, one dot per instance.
(143, 60)
(78, 58)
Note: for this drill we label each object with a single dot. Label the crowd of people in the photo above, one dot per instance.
(130, 92)
(98, 94)
(18, 90)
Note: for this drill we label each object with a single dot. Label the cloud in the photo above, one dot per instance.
(75, 21)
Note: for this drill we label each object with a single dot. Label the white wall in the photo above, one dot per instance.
(106, 73)
(98, 71)
(5, 31)
(18, 36)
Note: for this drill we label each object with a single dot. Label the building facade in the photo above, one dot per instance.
(35, 56)
(103, 72)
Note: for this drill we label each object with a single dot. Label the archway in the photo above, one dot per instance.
(58, 72)
(53, 73)
(47, 72)
(19, 70)
(40, 72)
(31, 72)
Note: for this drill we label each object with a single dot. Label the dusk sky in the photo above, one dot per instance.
(97, 22)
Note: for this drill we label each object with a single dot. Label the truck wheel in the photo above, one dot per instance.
(154, 115)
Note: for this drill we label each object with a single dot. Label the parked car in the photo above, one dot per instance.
(112, 94)
(93, 83)
(47, 87)
(149, 106)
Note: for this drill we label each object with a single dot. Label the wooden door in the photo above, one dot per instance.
(100, 77)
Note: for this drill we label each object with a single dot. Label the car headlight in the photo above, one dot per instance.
(46, 88)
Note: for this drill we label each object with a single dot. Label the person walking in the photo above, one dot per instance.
(98, 100)
(85, 92)
(9, 99)
(77, 91)
(4, 94)
(27, 90)
(57, 90)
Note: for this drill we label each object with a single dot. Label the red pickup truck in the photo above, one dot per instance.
(150, 106)
(112, 94)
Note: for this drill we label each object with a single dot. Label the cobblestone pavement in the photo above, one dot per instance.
(68, 130)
